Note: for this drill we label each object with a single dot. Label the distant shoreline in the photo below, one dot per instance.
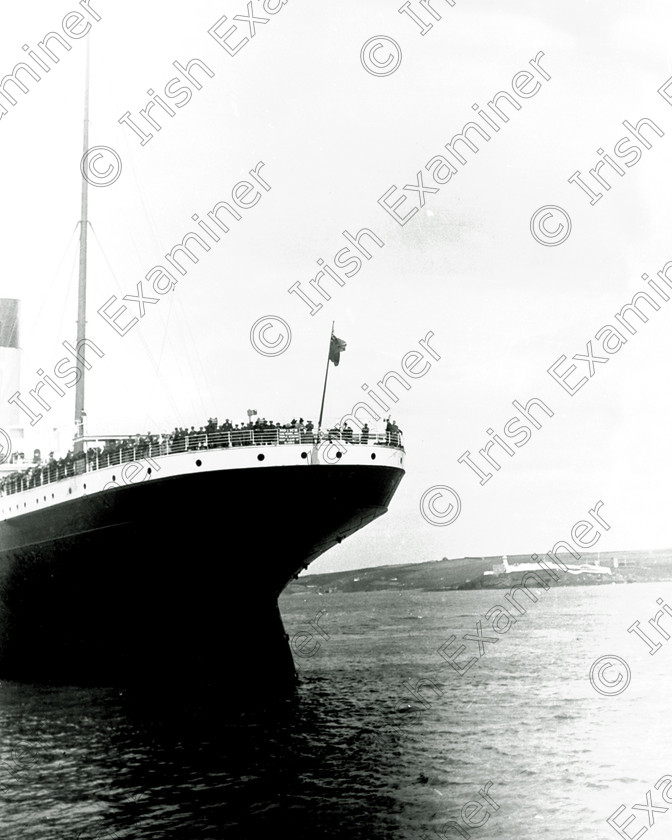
(466, 573)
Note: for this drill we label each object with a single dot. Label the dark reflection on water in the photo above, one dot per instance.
(89, 764)
(355, 753)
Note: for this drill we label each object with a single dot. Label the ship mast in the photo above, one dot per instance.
(81, 298)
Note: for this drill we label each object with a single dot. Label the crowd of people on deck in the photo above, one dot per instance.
(211, 436)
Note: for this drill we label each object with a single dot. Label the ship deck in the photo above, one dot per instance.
(105, 580)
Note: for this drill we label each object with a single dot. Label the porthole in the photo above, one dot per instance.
(339, 454)
(260, 457)
(149, 470)
(373, 456)
(304, 454)
(198, 463)
(85, 486)
(69, 491)
(114, 478)
(45, 498)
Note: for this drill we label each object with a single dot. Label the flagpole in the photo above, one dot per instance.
(324, 390)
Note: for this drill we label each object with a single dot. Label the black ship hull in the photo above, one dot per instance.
(174, 579)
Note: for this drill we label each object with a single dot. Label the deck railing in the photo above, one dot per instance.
(127, 452)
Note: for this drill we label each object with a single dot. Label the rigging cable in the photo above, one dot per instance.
(187, 356)
(185, 320)
(142, 337)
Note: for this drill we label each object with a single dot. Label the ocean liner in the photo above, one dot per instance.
(164, 563)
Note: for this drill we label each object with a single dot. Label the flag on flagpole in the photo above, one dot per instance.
(336, 347)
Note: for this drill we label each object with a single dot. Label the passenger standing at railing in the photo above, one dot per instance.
(307, 437)
(226, 429)
(364, 437)
(294, 432)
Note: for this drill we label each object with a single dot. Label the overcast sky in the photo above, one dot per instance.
(333, 139)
